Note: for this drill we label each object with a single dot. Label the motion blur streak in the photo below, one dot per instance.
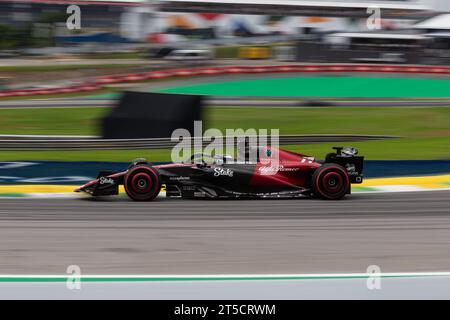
(405, 232)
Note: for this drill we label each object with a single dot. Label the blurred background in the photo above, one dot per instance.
(63, 70)
(127, 28)
(370, 74)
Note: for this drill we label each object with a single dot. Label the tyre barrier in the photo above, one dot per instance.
(61, 143)
(100, 82)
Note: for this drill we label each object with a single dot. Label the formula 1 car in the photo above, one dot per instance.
(292, 175)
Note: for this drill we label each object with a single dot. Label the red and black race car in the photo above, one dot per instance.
(293, 175)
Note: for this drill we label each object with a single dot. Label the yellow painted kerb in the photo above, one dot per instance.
(427, 182)
(432, 182)
(37, 188)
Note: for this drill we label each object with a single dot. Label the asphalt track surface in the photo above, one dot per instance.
(399, 232)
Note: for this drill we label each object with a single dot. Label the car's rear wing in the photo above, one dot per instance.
(346, 157)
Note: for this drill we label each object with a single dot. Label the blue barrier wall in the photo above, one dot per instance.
(49, 172)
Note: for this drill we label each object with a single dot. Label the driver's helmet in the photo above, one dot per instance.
(349, 152)
(220, 160)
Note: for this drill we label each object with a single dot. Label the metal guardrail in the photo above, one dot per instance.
(60, 143)
(94, 103)
(219, 102)
(26, 137)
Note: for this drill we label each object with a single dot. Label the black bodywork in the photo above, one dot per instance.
(293, 177)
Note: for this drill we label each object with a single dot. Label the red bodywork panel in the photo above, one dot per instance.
(275, 168)
(275, 173)
(291, 169)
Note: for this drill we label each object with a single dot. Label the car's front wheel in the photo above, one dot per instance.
(330, 182)
(142, 183)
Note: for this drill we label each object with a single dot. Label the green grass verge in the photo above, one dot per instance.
(425, 132)
(401, 149)
(77, 121)
(409, 122)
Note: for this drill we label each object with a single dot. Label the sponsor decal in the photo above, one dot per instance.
(351, 169)
(223, 172)
(105, 180)
(275, 169)
(179, 178)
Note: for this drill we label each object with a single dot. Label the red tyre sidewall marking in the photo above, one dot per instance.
(318, 179)
(155, 174)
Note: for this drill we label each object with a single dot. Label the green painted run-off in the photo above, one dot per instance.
(341, 87)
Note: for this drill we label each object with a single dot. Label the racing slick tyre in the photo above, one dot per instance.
(142, 183)
(330, 182)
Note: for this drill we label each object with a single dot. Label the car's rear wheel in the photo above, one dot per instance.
(330, 182)
(142, 183)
